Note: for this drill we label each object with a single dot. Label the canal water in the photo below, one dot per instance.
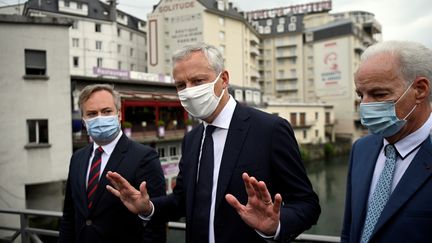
(328, 178)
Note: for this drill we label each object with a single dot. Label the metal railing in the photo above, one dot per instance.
(31, 234)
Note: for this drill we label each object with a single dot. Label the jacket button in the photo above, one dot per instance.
(88, 222)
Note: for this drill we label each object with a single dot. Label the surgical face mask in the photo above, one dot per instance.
(380, 117)
(200, 101)
(103, 129)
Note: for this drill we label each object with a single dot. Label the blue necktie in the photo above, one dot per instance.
(381, 194)
(203, 190)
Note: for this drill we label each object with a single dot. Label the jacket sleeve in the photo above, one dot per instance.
(300, 208)
(150, 170)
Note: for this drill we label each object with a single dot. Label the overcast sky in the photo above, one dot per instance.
(400, 19)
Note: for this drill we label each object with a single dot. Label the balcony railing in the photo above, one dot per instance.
(32, 234)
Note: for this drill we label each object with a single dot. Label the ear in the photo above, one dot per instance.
(225, 78)
(422, 88)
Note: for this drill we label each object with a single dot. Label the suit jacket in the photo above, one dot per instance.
(262, 145)
(407, 216)
(109, 220)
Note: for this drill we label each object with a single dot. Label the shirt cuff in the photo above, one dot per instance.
(147, 218)
(270, 238)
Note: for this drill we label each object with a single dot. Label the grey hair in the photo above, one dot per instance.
(213, 55)
(415, 60)
(90, 89)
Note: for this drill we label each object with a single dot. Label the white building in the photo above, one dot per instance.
(102, 39)
(35, 117)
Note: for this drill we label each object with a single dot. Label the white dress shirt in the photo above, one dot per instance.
(221, 122)
(406, 148)
(107, 151)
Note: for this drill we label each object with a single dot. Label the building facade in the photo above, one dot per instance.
(34, 112)
(103, 39)
(175, 23)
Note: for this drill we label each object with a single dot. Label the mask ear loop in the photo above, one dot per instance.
(415, 106)
(406, 91)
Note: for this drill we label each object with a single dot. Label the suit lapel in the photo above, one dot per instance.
(83, 163)
(414, 177)
(112, 164)
(190, 163)
(237, 132)
(363, 171)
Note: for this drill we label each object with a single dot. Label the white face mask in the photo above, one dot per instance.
(200, 101)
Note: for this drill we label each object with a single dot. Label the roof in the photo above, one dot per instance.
(96, 10)
(19, 19)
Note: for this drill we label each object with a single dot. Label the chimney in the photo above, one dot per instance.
(113, 10)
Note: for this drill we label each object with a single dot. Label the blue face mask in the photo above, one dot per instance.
(103, 128)
(380, 117)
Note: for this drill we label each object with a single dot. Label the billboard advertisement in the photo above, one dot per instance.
(332, 68)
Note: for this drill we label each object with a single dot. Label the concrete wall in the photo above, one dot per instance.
(22, 99)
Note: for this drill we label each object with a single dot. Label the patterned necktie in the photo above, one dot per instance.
(381, 194)
(203, 190)
(93, 177)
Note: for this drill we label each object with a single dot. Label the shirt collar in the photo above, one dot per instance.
(109, 148)
(223, 120)
(411, 142)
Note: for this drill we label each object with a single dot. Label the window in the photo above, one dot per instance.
(161, 152)
(35, 62)
(130, 36)
(221, 21)
(37, 131)
(119, 65)
(316, 116)
(131, 52)
(327, 117)
(98, 45)
(118, 32)
(132, 67)
(66, 4)
(316, 133)
(98, 28)
(75, 62)
(75, 42)
(302, 118)
(99, 62)
(293, 119)
(75, 25)
(173, 151)
(79, 5)
(118, 48)
(292, 27)
(305, 134)
(221, 35)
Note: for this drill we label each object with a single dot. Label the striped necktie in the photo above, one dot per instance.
(93, 177)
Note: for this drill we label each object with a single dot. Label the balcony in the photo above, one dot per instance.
(285, 44)
(286, 78)
(145, 136)
(303, 125)
(286, 55)
(254, 51)
(286, 87)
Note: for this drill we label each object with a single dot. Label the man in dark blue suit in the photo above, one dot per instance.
(389, 186)
(255, 188)
(91, 214)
